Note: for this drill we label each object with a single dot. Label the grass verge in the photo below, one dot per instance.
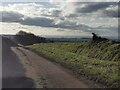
(82, 59)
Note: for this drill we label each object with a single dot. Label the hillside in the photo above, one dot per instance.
(95, 61)
(102, 50)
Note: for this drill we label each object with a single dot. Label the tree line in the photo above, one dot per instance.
(25, 38)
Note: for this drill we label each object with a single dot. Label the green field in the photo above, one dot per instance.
(97, 61)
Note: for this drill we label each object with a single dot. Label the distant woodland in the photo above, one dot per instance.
(25, 38)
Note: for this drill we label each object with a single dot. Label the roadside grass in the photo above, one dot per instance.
(97, 62)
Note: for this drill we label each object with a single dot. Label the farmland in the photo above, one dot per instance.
(95, 61)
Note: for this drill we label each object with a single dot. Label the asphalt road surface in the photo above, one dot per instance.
(13, 72)
(23, 68)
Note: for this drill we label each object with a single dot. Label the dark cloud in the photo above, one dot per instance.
(62, 18)
(93, 7)
(112, 13)
(73, 26)
(56, 13)
(37, 21)
(73, 15)
(11, 16)
(52, 13)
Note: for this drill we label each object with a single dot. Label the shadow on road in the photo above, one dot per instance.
(13, 72)
(17, 82)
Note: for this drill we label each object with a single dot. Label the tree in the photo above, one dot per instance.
(98, 38)
(25, 38)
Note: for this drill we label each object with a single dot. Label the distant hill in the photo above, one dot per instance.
(68, 39)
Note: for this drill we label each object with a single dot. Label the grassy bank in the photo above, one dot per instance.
(97, 62)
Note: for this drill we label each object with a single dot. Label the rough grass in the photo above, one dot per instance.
(98, 61)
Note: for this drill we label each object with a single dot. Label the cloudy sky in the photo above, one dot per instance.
(65, 18)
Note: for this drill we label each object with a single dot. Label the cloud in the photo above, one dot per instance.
(33, 9)
(72, 16)
(55, 12)
(72, 25)
(11, 16)
(47, 22)
(37, 21)
(28, 9)
(92, 7)
(92, 0)
(51, 12)
(112, 11)
(54, 1)
(96, 9)
(60, 30)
